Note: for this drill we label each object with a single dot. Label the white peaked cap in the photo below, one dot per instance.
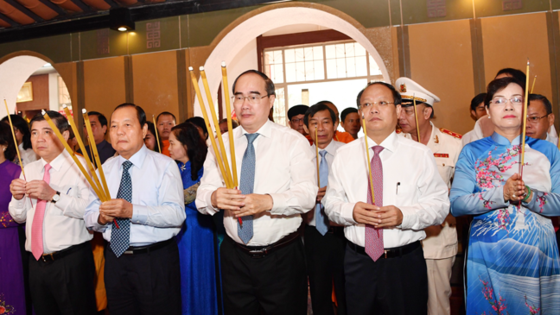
(411, 90)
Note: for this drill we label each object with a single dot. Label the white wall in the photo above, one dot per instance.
(53, 91)
(14, 74)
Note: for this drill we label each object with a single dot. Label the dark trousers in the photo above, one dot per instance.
(325, 264)
(389, 286)
(146, 283)
(64, 285)
(273, 284)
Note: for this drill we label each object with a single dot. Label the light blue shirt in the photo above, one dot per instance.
(157, 197)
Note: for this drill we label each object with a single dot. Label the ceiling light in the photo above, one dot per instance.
(120, 20)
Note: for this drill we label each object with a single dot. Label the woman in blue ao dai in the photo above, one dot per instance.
(512, 260)
(196, 239)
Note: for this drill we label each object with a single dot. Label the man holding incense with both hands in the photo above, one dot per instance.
(262, 258)
(440, 245)
(140, 221)
(385, 270)
(324, 240)
(51, 203)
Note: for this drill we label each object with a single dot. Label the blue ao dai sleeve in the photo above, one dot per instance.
(548, 203)
(466, 197)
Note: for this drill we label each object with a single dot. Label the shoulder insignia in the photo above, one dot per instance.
(451, 133)
(441, 155)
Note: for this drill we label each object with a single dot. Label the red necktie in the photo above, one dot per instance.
(37, 226)
(374, 237)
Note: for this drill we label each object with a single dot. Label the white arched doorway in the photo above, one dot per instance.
(15, 72)
(238, 38)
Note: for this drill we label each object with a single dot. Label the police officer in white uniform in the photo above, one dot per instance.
(440, 245)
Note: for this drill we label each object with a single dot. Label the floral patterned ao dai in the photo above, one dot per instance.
(513, 265)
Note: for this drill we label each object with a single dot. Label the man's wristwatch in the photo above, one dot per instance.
(56, 197)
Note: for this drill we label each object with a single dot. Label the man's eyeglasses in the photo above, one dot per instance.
(252, 99)
(380, 103)
(535, 119)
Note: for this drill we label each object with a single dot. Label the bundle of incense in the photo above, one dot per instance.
(92, 179)
(157, 136)
(524, 115)
(16, 144)
(230, 179)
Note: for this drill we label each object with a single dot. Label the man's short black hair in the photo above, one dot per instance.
(102, 119)
(514, 73)
(164, 114)
(60, 121)
(542, 98)
(319, 107)
(297, 110)
(396, 95)
(268, 84)
(477, 100)
(141, 114)
(347, 111)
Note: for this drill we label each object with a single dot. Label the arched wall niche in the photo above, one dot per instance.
(16, 68)
(234, 38)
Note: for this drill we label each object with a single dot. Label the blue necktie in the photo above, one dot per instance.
(120, 238)
(247, 181)
(321, 221)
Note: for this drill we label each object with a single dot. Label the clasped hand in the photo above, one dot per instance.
(378, 217)
(38, 189)
(114, 208)
(240, 205)
(514, 189)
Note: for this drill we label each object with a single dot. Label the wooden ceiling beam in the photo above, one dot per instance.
(24, 10)
(84, 7)
(53, 7)
(9, 21)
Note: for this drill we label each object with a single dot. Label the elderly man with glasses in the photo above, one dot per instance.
(262, 258)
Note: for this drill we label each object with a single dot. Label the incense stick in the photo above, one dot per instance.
(225, 86)
(93, 147)
(216, 125)
(157, 136)
(524, 114)
(317, 158)
(416, 117)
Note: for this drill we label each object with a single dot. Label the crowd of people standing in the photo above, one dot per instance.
(367, 224)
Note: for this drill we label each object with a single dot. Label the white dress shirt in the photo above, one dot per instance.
(27, 156)
(552, 136)
(158, 208)
(63, 224)
(331, 151)
(411, 182)
(283, 170)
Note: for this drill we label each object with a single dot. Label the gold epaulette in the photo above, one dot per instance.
(451, 133)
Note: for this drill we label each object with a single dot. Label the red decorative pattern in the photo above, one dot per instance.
(102, 42)
(436, 8)
(153, 35)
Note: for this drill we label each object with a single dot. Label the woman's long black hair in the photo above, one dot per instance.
(196, 148)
